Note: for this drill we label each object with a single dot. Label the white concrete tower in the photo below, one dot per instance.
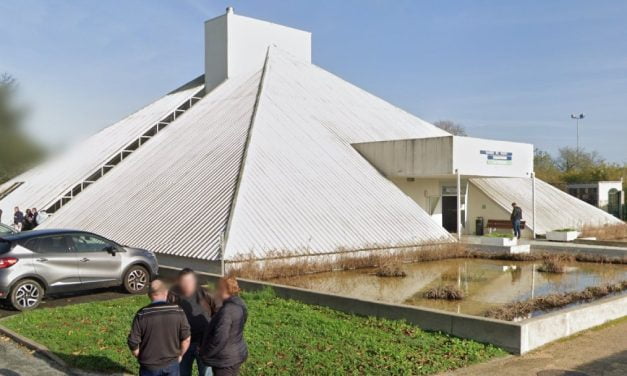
(236, 45)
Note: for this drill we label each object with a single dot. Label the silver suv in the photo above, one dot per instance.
(41, 262)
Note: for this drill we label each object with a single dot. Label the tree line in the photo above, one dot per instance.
(18, 151)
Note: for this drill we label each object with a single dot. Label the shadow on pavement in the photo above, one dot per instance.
(615, 364)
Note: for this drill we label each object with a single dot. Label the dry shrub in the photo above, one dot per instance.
(448, 292)
(390, 270)
(556, 263)
(286, 265)
(515, 310)
(289, 266)
(607, 232)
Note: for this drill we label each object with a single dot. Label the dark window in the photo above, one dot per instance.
(4, 247)
(48, 244)
(11, 188)
(90, 243)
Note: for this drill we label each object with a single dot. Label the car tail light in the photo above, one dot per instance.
(7, 262)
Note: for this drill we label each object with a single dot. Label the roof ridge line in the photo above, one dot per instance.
(240, 174)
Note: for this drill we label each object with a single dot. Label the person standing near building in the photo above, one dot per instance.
(224, 347)
(516, 218)
(36, 217)
(29, 221)
(199, 306)
(18, 219)
(160, 334)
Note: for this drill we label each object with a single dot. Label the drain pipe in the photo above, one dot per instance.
(533, 204)
(222, 271)
(459, 205)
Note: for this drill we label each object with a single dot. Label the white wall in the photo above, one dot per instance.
(216, 61)
(471, 157)
(237, 45)
(441, 156)
(412, 157)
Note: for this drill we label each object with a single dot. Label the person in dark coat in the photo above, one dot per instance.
(224, 347)
(516, 218)
(199, 307)
(18, 219)
(29, 221)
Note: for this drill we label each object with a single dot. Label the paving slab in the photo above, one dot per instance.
(19, 361)
(601, 351)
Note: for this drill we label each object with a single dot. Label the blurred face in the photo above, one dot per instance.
(188, 284)
(223, 291)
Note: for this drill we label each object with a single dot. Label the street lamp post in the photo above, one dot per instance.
(577, 118)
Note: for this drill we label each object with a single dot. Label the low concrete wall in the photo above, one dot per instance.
(576, 249)
(543, 329)
(610, 243)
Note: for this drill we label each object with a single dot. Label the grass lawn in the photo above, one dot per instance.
(284, 337)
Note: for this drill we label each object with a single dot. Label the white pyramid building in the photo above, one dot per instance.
(266, 155)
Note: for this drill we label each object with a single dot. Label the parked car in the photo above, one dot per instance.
(6, 230)
(42, 262)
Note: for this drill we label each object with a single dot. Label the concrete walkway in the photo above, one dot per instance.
(601, 352)
(19, 361)
(545, 245)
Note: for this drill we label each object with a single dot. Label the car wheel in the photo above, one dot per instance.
(136, 280)
(26, 295)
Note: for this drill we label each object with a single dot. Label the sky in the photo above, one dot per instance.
(511, 70)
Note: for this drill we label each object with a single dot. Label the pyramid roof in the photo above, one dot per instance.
(262, 164)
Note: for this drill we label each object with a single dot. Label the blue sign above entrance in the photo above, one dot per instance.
(498, 157)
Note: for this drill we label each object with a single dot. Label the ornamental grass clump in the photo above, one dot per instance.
(391, 270)
(556, 263)
(607, 232)
(448, 292)
(523, 309)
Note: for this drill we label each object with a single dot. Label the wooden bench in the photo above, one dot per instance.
(500, 223)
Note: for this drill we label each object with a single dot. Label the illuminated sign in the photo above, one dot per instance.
(498, 157)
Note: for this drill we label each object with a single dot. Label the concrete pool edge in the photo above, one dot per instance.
(516, 337)
(541, 330)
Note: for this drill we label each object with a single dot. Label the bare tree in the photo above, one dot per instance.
(451, 127)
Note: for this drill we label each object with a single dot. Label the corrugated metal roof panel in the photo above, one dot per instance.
(173, 195)
(555, 209)
(45, 183)
(305, 189)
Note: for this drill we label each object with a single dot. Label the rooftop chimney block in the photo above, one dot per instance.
(237, 45)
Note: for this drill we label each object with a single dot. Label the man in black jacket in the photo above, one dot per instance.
(160, 334)
(199, 306)
(224, 347)
(516, 218)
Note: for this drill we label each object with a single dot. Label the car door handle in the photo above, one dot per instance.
(84, 259)
(42, 259)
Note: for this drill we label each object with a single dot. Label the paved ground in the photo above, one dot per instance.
(66, 299)
(18, 361)
(599, 352)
